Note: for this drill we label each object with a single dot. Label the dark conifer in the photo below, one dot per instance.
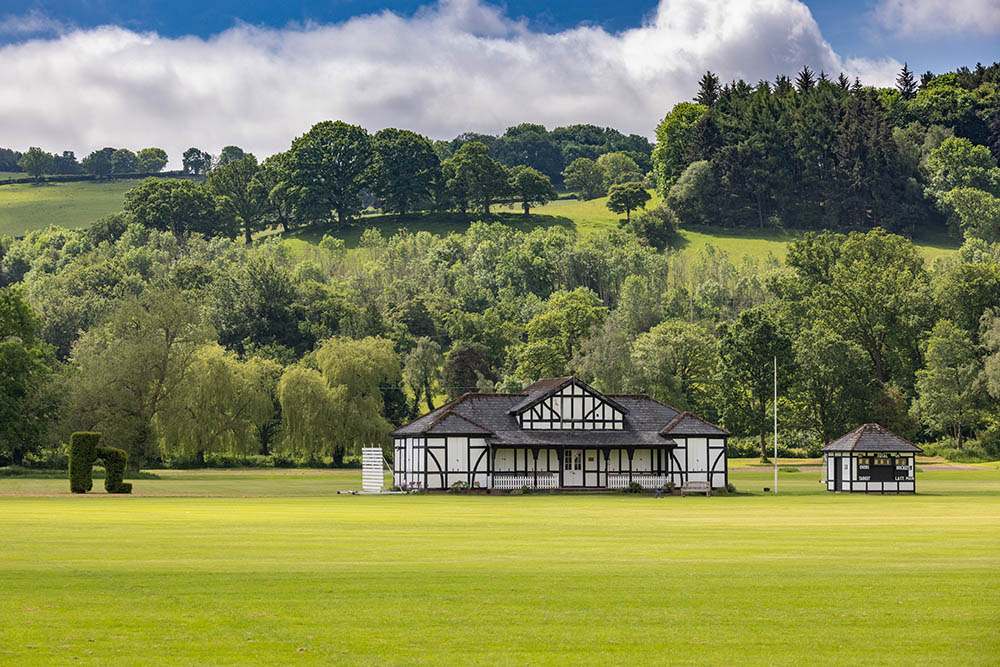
(856, 86)
(823, 77)
(708, 91)
(843, 82)
(782, 85)
(925, 78)
(906, 84)
(804, 81)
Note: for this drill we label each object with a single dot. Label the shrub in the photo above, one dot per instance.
(669, 487)
(633, 487)
(730, 487)
(458, 487)
(114, 465)
(83, 451)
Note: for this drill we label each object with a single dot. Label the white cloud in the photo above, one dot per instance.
(454, 66)
(912, 18)
(32, 23)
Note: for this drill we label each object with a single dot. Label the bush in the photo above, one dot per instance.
(458, 487)
(658, 226)
(669, 487)
(972, 451)
(633, 487)
(730, 487)
(84, 450)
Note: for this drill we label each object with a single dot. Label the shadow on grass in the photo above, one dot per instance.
(435, 223)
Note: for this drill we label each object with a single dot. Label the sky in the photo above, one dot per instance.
(83, 74)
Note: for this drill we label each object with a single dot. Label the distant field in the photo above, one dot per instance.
(188, 572)
(587, 218)
(24, 207)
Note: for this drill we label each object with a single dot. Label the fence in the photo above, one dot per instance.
(510, 482)
(648, 480)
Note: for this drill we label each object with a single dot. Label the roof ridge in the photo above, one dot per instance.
(449, 412)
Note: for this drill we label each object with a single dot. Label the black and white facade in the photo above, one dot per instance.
(870, 459)
(558, 433)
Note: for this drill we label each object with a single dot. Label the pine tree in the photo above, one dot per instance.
(843, 82)
(708, 92)
(804, 81)
(823, 77)
(856, 86)
(925, 78)
(782, 85)
(906, 84)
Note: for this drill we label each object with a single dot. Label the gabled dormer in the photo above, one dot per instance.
(568, 404)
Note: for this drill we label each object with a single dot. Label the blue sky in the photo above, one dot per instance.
(850, 26)
(82, 74)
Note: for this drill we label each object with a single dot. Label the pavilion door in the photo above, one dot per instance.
(838, 478)
(572, 467)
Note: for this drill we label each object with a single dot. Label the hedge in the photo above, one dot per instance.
(83, 451)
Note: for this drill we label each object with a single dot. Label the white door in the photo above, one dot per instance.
(572, 467)
(845, 475)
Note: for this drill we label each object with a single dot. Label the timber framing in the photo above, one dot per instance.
(558, 433)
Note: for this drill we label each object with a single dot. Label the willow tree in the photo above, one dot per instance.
(221, 409)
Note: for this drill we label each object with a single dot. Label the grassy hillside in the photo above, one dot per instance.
(587, 218)
(24, 207)
(191, 570)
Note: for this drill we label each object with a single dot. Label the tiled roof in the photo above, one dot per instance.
(871, 438)
(689, 424)
(538, 391)
(647, 421)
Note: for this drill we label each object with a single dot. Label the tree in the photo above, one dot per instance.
(311, 413)
(196, 161)
(222, 408)
(152, 160)
(949, 388)
(804, 81)
(833, 388)
(25, 367)
(906, 84)
(422, 370)
(466, 366)
(230, 154)
(356, 370)
(531, 187)
(708, 89)
(253, 305)
(675, 362)
(179, 206)
(36, 162)
(98, 163)
(473, 176)
(327, 169)
(872, 288)
(124, 161)
(602, 359)
(130, 368)
(657, 226)
(626, 197)
(237, 182)
(619, 168)
(585, 175)
(958, 163)
(978, 212)
(404, 168)
(65, 163)
(673, 136)
(554, 334)
(747, 350)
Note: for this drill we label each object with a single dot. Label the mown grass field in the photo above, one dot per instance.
(188, 572)
(24, 207)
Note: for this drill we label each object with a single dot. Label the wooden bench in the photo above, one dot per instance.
(696, 487)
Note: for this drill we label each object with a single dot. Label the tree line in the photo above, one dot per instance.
(818, 153)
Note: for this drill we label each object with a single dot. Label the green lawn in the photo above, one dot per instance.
(309, 576)
(24, 207)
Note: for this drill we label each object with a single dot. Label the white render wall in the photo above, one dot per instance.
(848, 463)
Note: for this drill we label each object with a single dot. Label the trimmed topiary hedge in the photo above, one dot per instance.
(114, 465)
(83, 451)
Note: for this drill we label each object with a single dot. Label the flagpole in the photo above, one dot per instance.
(776, 424)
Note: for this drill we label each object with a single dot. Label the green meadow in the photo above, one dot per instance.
(227, 567)
(25, 207)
